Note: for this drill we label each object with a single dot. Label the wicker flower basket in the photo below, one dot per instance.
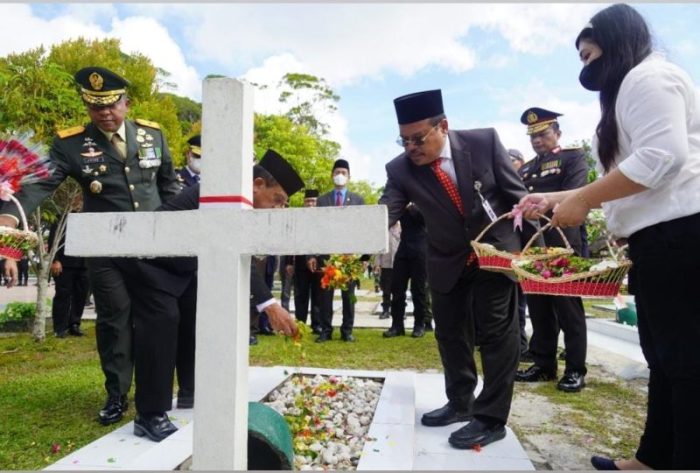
(492, 259)
(603, 282)
(603, 279)
(15, 243)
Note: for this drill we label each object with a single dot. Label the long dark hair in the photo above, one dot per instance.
(624, 37)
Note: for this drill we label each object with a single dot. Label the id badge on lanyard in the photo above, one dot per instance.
(484, 202)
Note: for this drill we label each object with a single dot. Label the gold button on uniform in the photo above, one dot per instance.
(131, 187)
(530, 188)
(136, 205)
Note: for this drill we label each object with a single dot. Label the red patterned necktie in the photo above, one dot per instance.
(448, 185)
(338, 199)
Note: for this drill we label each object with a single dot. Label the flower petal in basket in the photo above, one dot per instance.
(15, 243)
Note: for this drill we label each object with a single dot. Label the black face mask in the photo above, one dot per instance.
(590, 76)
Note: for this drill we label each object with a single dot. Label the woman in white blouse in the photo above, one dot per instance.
(648, 148)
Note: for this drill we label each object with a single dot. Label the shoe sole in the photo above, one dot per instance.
(141, 432)
(570, 390)
(430, 423)
(462, 446)
(109, 421)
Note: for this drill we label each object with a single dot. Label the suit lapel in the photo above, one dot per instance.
(424, 174)
(463, 169)
(101, 140)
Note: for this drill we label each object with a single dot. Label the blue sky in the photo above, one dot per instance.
(490, 60)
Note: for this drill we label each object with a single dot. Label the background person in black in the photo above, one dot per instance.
(70, 274)
(409, 264)
(307, 284)
(554, 169)
(190, 174)
(121, 166)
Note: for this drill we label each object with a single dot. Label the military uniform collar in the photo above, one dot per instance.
(121, 132)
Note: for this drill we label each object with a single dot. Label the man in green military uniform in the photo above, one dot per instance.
(554, 169)
(121, 165)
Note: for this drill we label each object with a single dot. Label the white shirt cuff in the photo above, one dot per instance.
(264, 305)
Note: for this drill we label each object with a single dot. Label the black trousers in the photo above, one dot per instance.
(113, 326)
(307, 286)
(155, 321)
(184, 362)
(480, 310)
(522, 304)
(548, 314)
(69, 299)
(286, 282)
(664, 281)
(326, 318)
(413, 270)
(385, 277)
(23, 272)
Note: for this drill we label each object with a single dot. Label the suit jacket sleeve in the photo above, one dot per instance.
(188, 199)
(259, 291)
(394, 198)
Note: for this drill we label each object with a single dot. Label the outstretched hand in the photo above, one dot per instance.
(281, 320)
(533, 205)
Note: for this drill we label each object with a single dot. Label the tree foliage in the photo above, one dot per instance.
(307, 96)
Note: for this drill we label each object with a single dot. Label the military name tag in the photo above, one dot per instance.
(149, 163)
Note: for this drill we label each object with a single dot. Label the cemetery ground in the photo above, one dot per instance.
(50, 393)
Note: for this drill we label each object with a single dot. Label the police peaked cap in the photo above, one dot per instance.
(282, 171)
(100, 86)
(196, 145)
(419, 106)
(538, 119)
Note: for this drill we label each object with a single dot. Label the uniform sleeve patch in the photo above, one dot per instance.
(68, 132)
(147, 123)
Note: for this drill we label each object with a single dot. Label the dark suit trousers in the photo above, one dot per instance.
(480, 310)
(385, 285)
(155, 319)
(665, 285)
(326, 318)
(69, 300)
(548, 314)
(406, 269)
(113, 324)
(184, 364)
(307, 285)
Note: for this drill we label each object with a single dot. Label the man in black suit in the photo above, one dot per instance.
(339, 197)
(461, 180)
(555, 169)
(160, 285)
(190, 174)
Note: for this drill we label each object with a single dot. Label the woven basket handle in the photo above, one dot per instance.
(542, 230)
(488, 227)
(23, 216)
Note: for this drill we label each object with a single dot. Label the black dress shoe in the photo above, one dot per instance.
(114, 409)
(253, 340)
(429, 328)
(572, 382)
(185, 399)
(418, 332)
(534, 374)
(347, 338)
(324, 337)
(477, 432)
(444, 416)
(602, 463)
(394, 332)
(526, 357)
(61, 334)
(384, 316)
(156, 426)
(75, 330)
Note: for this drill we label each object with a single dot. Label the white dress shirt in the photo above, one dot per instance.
(658, 121)
(447, 164)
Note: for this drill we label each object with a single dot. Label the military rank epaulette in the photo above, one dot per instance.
(68, 132)
(147, 123)
(572, 148)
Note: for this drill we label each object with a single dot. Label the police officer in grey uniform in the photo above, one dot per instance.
(121, 165)
(554, 169)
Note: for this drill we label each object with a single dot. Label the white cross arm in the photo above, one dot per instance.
(299, 231)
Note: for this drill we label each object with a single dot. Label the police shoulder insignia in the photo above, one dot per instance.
(68, 132)
(147, 123)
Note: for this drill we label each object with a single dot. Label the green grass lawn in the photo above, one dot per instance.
(50, 392)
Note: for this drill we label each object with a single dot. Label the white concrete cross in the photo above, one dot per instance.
(223, 239)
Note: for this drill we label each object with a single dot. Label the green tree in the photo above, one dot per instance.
(307, 95)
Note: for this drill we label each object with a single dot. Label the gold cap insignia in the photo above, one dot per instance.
(96, 81)
(531, 117)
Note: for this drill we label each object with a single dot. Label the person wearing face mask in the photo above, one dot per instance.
(338, 197)
(554, 169)
(189, 175)
(647, 144)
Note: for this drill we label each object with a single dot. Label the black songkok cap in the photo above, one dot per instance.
(282, 171)
(310, 193)
(100, 86)
(341, 163)
(419, 106)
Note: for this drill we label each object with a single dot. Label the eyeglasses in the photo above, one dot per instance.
(403, 142)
